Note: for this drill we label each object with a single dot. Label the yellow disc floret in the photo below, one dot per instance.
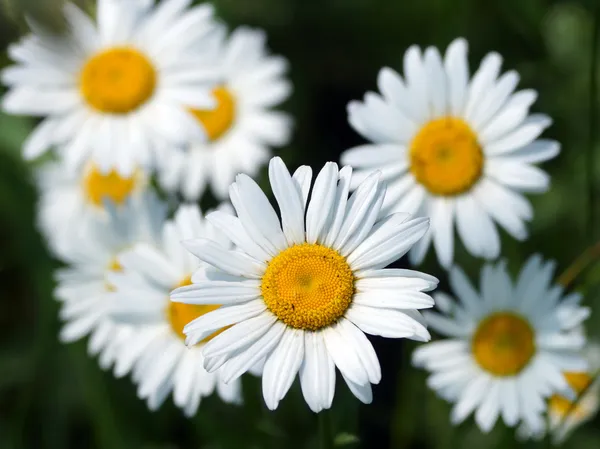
(99, 186)
(503, 344)
(216, 122)
(562, 406)
(118, 80)
(180, 314)
(308, 286)
(446, 157)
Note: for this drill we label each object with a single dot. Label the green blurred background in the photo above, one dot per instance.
(54, 396)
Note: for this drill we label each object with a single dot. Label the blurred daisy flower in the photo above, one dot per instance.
(455, 149)
(156, 350)
(83, 287)
(243, 126)
(116, 90)
(566, 415)
(70, 200)
(507, 345)
(302, 292)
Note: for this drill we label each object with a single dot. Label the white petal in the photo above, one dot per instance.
(232, 262)
(289, 199)
(282, 366)
(321, 202)
(240, 336)
(476, 229)
(317, 373)
(234, 230)
(457, 71)
(257, 214)
(217, 292)
(386, 323)
(225, 316)
(362, 346)
(251, 355)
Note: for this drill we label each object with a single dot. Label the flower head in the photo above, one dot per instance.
(458, 150)
(507, 345)
(302, 290)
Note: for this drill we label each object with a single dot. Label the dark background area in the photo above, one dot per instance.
(55, 396)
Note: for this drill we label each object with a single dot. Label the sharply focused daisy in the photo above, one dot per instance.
(242, 128)
(454, 149)
(162, 362)
(302, 292)
(69, 200)
(507, 345)
(84, 287)
(116, 90)
(565, 414)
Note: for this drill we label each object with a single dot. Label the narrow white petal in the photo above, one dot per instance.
(322, 199)
(232, 262)
(282, 366)
(290, 201)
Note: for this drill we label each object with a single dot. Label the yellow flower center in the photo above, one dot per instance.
(181, 314)
(98, 186)
(216, 122)
(308, 286)
(446, 157)
(503, 344)
(561, 405)
(118, 80)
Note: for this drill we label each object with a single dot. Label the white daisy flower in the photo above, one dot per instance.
(69, 200)
(456, 150)
(507, 345)
(156, 349)
(116, 90)
(83, 287)
(566, 415)
(243, 126)
(302, 292)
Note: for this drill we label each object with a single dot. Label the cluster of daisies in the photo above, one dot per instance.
(149, 105)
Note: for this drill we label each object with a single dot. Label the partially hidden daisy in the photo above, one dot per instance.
(84, 287)
(459, 150)
(565, 414)
(155, 350)
(71, 199)
(507, 345)
(242, 128)
(115, 90)
(301, 291)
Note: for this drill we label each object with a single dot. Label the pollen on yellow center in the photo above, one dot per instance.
(181, 314)
(446, 157)
(98, 186)
(308, 286)
(579, 382)
(118, 80)
(217, 121)
(503, 344)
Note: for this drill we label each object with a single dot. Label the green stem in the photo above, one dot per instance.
(325, 438)
(586, 258)
(593, 110)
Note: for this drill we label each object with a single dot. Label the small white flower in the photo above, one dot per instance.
(565, 415)
(303, 291)
(84, 286)
(155, 349)
(117, 90)
(507, 345)
(458, 150)
(69, 200)
(243, 126)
